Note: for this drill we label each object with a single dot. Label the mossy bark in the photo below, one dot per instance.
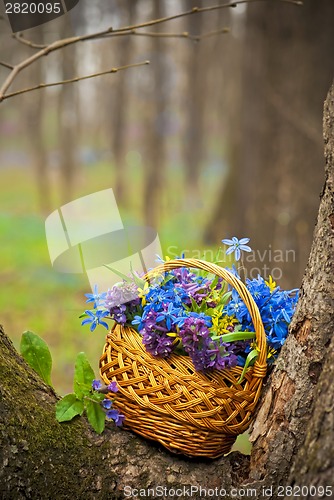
(40, 458)
(293, 433)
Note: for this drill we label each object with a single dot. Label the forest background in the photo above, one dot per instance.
(215, 138)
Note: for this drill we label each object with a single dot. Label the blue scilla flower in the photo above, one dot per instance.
(138, 321)
(96, 297)
(260, 291)
(169, 315)
(207, 319)
(95, 318)
(237, 246)
(236, 307)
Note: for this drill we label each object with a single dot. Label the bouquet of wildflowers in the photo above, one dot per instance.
(189, 313)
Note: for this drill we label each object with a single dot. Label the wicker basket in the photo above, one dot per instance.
(166, 400)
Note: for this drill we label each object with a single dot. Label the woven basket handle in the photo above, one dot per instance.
(260, 365)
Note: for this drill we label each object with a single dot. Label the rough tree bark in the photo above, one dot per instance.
(292, 434)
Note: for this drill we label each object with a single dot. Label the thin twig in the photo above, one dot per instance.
(59, 44)
(185, 34)
(19, 38)
(6, 65)
(197, 10)
(74, 80)
(134, 32)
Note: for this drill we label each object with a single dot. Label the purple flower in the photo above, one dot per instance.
(118, 314)
(121, 294)
(157, 343)
(122, 301)
(205, 353)
(107, 404)
(112, 386)
(116, 416)
(96, 385)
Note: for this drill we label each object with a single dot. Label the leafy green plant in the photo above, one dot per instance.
(37, 354)
(89, 395)
(84, 398)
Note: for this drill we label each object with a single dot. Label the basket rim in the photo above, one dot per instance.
(260, 365)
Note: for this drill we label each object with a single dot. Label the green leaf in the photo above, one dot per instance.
(249, 360)
(224, 298)
(96, 416)
(194, 305)
(138, 281)
(121, 275)
(83, 376)
(36, 353)
(68, 407)
(214, 282)
(235, 336)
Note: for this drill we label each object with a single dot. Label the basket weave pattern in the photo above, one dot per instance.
(166, 400)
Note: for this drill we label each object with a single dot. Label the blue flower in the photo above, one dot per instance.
(169, 314)
(116, 416)
(96, 385)
(95, 318)
(107, 404)
(95, 297)
(112, 386)
(137, 320)
(237, 246)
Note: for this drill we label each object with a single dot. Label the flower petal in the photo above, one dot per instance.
(245, 248)
(228, 242)
(229, 250)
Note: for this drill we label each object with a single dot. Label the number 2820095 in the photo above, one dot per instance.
(33, 8)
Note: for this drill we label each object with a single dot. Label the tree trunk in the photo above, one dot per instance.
(195, 97)
(275, 178)
(36, 133)
(67, 120)
(120, 108)
(292, 434)
(156, 153)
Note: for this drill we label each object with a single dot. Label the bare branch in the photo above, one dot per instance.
(185, 34)
(198, 10)
(127, 30)
(6, 65)
(74, 80)
(19, 38)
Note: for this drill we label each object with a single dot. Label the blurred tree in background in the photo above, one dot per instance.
(215, 138)
(272, 191)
